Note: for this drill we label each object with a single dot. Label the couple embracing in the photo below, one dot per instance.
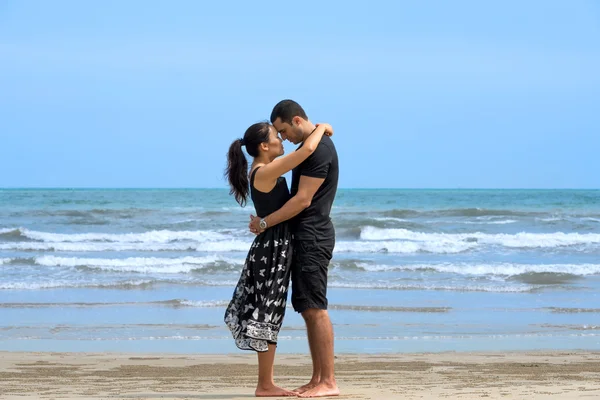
(295, 239)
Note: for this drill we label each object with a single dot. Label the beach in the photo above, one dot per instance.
(489, 375)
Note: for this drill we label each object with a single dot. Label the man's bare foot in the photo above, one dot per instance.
(273, 391)
(322, 390)
(306, 387)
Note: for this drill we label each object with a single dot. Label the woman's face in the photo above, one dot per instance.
(275, 143)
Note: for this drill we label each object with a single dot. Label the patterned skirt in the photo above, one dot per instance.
(255, 313)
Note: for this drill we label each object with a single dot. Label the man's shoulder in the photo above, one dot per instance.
(326, 141)
(326, 146)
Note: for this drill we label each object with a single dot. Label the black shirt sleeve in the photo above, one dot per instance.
(317, 164)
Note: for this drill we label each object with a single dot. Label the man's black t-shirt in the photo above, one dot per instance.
(314, 222)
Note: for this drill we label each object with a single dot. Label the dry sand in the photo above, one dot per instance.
(524, 375)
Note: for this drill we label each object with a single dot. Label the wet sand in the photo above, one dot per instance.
(520, 375)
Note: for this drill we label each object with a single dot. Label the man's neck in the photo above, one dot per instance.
(310, 127)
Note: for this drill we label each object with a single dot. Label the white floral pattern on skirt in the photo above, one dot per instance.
(255, 313)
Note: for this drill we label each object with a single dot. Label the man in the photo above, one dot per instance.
(314, 185)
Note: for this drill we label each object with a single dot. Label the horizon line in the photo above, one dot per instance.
(339, 188)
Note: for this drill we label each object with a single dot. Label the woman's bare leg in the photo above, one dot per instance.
(266, 386)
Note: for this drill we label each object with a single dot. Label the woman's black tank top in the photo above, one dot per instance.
(267, 203)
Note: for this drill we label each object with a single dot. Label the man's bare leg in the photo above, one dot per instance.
(316, 362)
(321, 337)
(266, 386)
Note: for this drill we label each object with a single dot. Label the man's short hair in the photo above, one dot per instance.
(286, 110)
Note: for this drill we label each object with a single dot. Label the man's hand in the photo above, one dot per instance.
(254, 225)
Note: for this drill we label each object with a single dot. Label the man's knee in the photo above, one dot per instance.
(313, 315)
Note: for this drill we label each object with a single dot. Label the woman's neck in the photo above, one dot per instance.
(262, 159)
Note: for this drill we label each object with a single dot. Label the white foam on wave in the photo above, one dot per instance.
(5, 260)
(501, 222)
(162, 236)
(6, 230)
(406, 247)
(372, 240)
(52, 284)
(443, 247)
(500, 269)
(223, 246)
(184, 221)
(519, 240)
(139, 264)
(204, 304)
(517, 288)
(115, 284)
(591, 219)
(246, 210)
(390, 219)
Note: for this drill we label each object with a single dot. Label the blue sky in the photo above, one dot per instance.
(422, 94)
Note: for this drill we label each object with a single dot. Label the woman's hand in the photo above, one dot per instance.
(328, 129)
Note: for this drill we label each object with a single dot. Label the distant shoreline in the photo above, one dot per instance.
(341, 188)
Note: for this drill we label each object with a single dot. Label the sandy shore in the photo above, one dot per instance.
(536, 375)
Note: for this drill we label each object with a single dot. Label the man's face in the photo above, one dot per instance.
(291, 132)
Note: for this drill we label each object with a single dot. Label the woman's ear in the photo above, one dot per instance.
(264, 146)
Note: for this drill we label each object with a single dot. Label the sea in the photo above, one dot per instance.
(152, 270)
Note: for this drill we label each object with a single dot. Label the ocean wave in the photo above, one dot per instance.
(163, 236)
(447, 245)
(574, 310)
(144, 264)
(391, 219)
(484, 212)
(500, 269)
(501, 222)
(165, 303)
(203, 304)
(348, 307)
(591, 219)
(5, 260)
(436, 287)
(121, 284)
(94, 212)
(223, 246)
(460, 212)
(87, 221)
(149, 283)
(405, 247)
(351, 228)
(519, 240)
(53, 284)
(11, 235)
(177, 303)
(527, 273)
(367, 239)
(237, 246)
(571, 327)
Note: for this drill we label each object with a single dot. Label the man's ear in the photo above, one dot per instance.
(297, 121)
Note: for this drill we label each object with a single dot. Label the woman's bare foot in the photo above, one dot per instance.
(306, 387)
(322, 390)
(273, 391)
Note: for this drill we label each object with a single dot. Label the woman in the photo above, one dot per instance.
(256, 311)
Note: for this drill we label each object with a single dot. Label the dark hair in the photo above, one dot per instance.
(237, 165)
(286, 110)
